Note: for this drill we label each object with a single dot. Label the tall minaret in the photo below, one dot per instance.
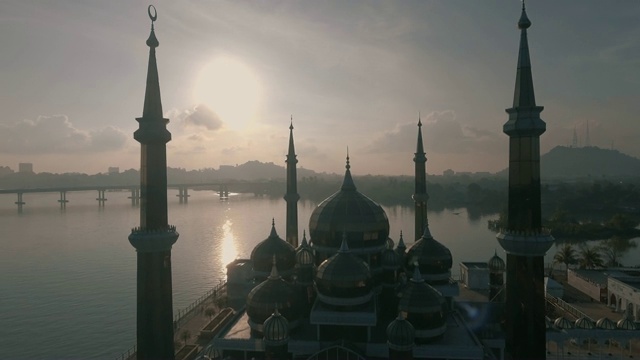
(292, 197)
(524, 239)
(154, 238)
(420, 195)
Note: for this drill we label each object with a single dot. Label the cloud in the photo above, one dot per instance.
(442, 133)
(202, 116)
(56, 134)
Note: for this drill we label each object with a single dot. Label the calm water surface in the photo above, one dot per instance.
(67, 277)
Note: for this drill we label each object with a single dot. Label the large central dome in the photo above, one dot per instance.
(363, 220)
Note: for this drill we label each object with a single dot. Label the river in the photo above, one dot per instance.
(67, 277)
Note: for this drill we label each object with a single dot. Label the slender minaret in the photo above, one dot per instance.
(524, 239)
(292, 197)
(420, 195)
(154, 238)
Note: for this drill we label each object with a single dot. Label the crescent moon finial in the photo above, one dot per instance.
(153, 17)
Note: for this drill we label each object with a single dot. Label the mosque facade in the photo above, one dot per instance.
(349, 291)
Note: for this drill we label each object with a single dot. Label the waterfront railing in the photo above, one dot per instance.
(183, 315)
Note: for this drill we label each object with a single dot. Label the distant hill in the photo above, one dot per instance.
(594, 162)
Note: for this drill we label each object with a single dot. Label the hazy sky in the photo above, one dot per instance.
(352, 73)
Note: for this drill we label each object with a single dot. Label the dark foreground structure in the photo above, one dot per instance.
(524, 240)
(154, 238)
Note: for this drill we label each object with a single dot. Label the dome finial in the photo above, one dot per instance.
(152, 41)
(348, 166)
(343, 246)
(273, 228)
(417, 276)
(274, 269)
(524, 22)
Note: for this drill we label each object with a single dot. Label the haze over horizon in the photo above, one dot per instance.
(352, 74)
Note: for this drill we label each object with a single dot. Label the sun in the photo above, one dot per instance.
(230, 89)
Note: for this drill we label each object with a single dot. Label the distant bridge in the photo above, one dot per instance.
(257, 188)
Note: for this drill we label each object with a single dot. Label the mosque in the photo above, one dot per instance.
(348, 291)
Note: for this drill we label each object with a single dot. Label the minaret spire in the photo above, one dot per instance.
(154, 238)
(420, 195)
(347, 183)
(292, 196)
(524, 239)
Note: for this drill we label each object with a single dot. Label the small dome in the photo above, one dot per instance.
(304, 253)
(273, 245)
(344, 276)
(606, 324)
(390, 259)
(364, 221)
(584, 323)
(400, 334)
(304, 257)
(626, 324)
(496, 264)
(563, 323)
(271, 293)
(423, 306)
(433, 257)
(276, 329)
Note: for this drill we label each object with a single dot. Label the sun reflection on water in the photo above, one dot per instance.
(229, 251)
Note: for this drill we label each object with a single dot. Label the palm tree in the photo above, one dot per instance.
(590, 258)
(566, 255)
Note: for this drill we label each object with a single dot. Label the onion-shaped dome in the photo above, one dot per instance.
(434, 258)
(606, 324)
(276, 329)
(626, 324)
(584, 323)
(364, 221)
(496, 264)
(563, 323)
(265, 250)
(400, 334)
(271, 293)
(344, 279)
(304, 253)
(423, 305)
(390, 260)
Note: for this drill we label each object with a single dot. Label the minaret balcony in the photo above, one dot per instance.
(145, 240)
(525, 243)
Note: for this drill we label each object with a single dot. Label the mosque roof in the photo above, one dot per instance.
(364, 221)
(262, 254)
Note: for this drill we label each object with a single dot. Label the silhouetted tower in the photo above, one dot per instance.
(524, 240)
(154, 238)
(574, 143)
(292, 197)
(420, 195)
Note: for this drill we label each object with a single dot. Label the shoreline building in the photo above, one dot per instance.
(524, 239)
(155, 237)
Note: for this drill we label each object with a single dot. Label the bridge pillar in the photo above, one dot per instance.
(63, 199)
(20, 202)
(101, 197)
(135, 196)
(226, 191)
(183, 194)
